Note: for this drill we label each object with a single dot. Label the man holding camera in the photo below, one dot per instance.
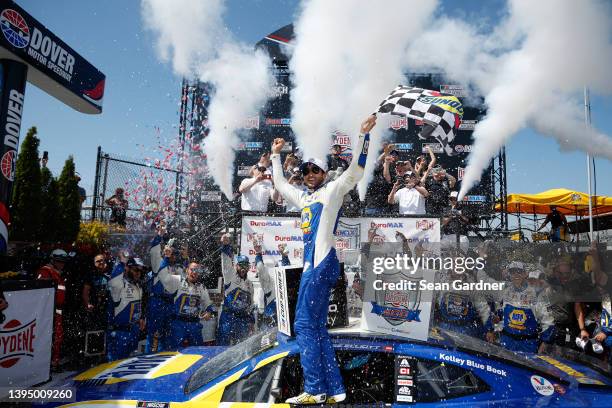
(409, 194)
(257, 190)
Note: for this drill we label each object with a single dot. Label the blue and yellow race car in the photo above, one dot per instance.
(379, 370)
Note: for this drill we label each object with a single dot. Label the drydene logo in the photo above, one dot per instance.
(542, 385)
(8, 165)
(16, 341)
(14, 28)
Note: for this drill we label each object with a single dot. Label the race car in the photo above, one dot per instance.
(379, 370)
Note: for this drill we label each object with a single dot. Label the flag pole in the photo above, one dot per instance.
(587, 122)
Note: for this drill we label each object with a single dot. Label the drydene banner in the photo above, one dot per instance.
(25, 337)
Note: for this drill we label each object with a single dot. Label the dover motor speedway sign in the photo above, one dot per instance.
(52, 65)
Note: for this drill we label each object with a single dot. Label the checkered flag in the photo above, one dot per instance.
(440, 113)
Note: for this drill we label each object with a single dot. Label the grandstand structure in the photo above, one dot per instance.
(274, 121)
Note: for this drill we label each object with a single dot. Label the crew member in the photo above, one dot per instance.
(125, 319)
(191, 303)
(557, 221)
(527, 320)
(320, 211)
(160, 302)
(236, 318)
(53, 271)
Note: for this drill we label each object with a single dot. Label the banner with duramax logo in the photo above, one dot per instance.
(26, 337)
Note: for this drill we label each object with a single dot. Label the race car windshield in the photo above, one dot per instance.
(231, 358)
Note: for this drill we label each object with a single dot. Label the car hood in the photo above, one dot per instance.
(157, 377)
(582, 373)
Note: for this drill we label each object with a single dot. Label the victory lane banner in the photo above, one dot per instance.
(25, 333)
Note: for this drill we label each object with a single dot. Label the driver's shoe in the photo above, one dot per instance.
(334, 399)
(306, 398)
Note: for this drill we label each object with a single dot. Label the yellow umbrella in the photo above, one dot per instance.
(567, 202)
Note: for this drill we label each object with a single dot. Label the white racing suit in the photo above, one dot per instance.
(236, 317)
(189, 300)
(125, 308)
(526, 318)
(320, 214)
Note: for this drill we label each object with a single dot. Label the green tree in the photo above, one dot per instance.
(49, 209)
(69, 202)
(25, 214)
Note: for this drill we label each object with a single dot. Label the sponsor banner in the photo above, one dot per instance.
(468, 124)
(344, 140)
(456, 90)
(210, 196)
(278, 122)
(270, 232)
(463, 148)
(12, 83)
(415, 230)
(435, 147)
(403, 147)
(251, 123)
(278, 90)
(25, 337)
(55, 67)
(474, 199)
(398, 122)
(243, 171)
(250, 146)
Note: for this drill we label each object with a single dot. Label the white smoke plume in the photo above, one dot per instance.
(348, 55)
(193, 36)
(532, 70)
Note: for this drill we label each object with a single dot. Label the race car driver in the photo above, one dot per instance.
(320, 211)
(236, 318)
(159, 307)
(527, 320)
(125, 320)
(53, 271)
(191, 303)
(267, 281)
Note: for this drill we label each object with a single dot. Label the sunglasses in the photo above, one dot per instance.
(262, 169)
(311, 168)
(99, 261)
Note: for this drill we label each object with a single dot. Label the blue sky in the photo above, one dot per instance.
(142, 93)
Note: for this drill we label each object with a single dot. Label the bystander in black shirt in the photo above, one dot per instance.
(439, 191)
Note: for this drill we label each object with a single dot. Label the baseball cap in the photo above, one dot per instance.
(135, 262)
(59, 255)
(319, 163)
(242, 259)
(516, 265)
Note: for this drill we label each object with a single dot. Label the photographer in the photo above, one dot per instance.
(409, 194)
(257, 190)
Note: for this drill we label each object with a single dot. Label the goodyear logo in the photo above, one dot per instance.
(448, 103)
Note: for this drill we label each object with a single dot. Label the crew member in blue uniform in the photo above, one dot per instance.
(527, 320)
(159, 307)
(267, 282)
(320, 212)
(191, 303)
(125, 307)
(236, 320)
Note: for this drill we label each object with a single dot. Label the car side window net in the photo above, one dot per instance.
(438, 381)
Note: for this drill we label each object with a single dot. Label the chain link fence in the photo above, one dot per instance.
(151, 191)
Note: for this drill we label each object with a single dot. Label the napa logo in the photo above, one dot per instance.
(14, 28)
(517, 317)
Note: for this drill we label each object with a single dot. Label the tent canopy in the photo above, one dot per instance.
(567, 202)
